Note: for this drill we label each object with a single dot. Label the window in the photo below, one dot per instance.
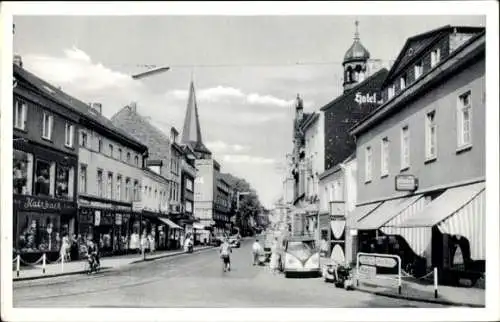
(136, 160)
(38, 232)
(83, 139)
(20, 111)
(64, 182)
(464, 120)
(118, 187)
(128, 157)
(47, 122)
(435, 57)
(419, 70)
(68, 135)
(402, 82)
(150, 194)
(100, 184)
(405, 148)
(136, 191)
(111, 150)
(109, 188)
(430, 136)
(391, 91)
(45, 177)
(120, 154)
(83, 178)
(127, 189)
(22, 173)
(99, 145)
(368, 164)
(384, 157)
(189, 184)
(156, 195)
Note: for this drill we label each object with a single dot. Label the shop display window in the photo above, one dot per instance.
(22, 172)
(45, 178)
(64, 182)
(38, 232)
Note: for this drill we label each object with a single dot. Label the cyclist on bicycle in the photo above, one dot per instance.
(225, 250)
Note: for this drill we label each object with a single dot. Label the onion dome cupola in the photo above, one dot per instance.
(355, 61)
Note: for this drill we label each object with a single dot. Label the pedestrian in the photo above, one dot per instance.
(273, 264)
(74, 247)
(65, 246)
(256, 250)
(151, 243)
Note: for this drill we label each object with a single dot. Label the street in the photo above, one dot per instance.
(194, 280)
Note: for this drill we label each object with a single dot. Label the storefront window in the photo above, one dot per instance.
(45, 177)
(64, 182)
(38, 232)
(23, 172)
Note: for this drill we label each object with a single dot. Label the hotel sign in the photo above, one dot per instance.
(367, 98)
(406, 182)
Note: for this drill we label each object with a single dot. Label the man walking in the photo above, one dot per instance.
(256, 250)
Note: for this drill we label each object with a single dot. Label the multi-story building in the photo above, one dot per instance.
(188, 174)
(164, 159)
(205, 184)
(362, 82)
(109, 177)
(222, 206)
(45, 161)
(421, 156)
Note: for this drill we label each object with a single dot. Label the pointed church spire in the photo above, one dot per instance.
(191, 132)
(356, 33)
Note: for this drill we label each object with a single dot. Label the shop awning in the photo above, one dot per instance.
(360, 212)
(444, 206)
(383, 214)
(198, 226)
(170, 223)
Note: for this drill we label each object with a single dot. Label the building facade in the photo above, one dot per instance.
(165, 156)
(45, 161)
(188, 175)
(222, 207)
(421, 156)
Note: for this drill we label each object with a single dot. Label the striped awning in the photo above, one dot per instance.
(383, 214)
(360, 212)
(470, 222)
(420, 238)
(170, 223)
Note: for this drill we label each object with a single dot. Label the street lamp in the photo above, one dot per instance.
(151, 72)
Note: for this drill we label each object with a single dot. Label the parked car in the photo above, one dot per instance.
(217, 240)
(300, 256)
(234, 242)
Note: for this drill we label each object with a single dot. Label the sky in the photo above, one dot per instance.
(247, 71)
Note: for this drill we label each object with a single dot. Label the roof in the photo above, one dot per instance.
(357, 52)
(337, 167)
(78, 106)
(380, 73)
(452, 64)
(191, 132)
(421, 42)
(307, 122)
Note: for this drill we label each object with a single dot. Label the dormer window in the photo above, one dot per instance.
(402, 82)
(391, 91)
(435, 57)
(419, 70)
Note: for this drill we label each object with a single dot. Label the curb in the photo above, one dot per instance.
(28, 278)
(168, 255)
(418, 299)
(105, 269)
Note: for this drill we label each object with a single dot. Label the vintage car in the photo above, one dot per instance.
(300, 256)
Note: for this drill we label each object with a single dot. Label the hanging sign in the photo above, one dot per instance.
(406, 182)
(97, 218)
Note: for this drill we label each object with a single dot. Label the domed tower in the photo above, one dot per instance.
(355, 62)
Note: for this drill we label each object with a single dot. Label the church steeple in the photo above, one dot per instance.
(355, 60)
(191, 132)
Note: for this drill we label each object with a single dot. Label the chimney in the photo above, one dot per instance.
(18, 60)
(133, 107)
(96, 107)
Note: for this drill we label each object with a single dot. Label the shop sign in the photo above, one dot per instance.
(367, 98)
(368, 270)
(37, 203)
(406, 182)
(380, 263)
(97, 218)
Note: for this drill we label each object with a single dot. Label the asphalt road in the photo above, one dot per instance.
(194, 280)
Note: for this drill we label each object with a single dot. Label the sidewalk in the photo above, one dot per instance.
(447, 295)
(107, 264)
